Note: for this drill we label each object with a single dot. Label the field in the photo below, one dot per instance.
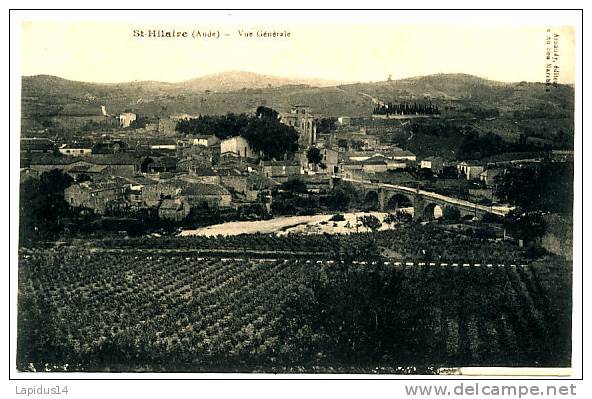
(410, 242)
(140, 309)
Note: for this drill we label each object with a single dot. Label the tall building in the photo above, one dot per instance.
(303, 121)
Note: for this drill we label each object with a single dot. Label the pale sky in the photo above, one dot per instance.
(108, 52)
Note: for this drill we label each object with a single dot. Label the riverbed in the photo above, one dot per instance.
(312, 224)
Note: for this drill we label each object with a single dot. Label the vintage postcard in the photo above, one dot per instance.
(337, 193)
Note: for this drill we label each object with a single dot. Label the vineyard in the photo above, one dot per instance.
(132, 311)
(412, 242)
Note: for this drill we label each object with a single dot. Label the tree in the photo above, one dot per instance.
(341, 197)
(400, 216)
(326, 125)
(294, 186)
(371, 222)
(82, 178)
(403, 217)
(357, 144)
(314, 156)
(264, 132)
(266, 113)
(342, 143)
(390, 218)
(547, 186)
(337, 218)
(518, 186)
(139, 123)
(42, 206)
(529, 226)
(491, 218)
(563, 140)
(223, 127)
(271, 137)
(451, 213)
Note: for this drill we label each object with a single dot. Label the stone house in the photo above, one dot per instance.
(205, 140)
(249, 185)
(126, 119)
(37, 145)
(469, 170)
(377, 164)
(173, 209)
(96, 196)
(305, 124)
(237, 146)
(435, 164)
(280, 170)
(488, 176)
(76, 149)
(194, 193)
(330, 159)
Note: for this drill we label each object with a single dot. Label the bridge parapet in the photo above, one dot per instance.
(422, 199)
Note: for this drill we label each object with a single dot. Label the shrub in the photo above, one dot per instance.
(337, 218)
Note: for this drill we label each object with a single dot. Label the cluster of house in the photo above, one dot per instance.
(173, 198)
(487, 170)
(129, 181)
(173, 174)
(469, 170)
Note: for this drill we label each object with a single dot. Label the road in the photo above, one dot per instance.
(375, 100)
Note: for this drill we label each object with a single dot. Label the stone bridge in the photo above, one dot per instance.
(390, 197)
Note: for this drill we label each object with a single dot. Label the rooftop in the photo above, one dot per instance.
(280, 163)
(171, 204)
(195, 188)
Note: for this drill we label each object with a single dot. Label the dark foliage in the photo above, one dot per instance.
(313, 155)
(406, 109)
(271, 137)
(341, 197)
(371, 222)
(264, 132)
(266, 113)
(223, 127)
(451, 214)
(294, 186)
(547, 186)
(528, 226)
(140, 122)
(326, 125)
(42, 207)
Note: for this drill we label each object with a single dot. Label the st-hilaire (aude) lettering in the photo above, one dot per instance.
(159, 33)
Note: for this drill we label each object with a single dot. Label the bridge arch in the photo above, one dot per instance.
(398, 201)
(372, 200)
(433, 211)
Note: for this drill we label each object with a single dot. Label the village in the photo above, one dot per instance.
(125, 167)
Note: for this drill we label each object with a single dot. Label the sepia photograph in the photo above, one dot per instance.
(305, 193)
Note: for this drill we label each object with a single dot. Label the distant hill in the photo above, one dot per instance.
(507, 109)
(440, 86)
(237, 80)
(219, 82)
